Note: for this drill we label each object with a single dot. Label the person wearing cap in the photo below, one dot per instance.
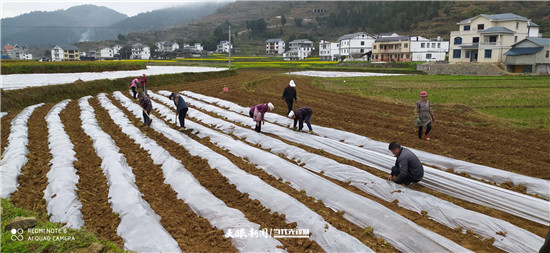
(425, 115)
(257, 113)
(134, 85)
(408, 169)
(289, 95)
(300, 115)
(181, 109)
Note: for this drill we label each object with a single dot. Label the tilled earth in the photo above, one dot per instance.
(486, 142)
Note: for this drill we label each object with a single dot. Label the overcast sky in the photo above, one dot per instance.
(12, 8)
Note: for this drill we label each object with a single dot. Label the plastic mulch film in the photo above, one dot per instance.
(533, 185)
(199, 199)
(60, 194)
(139, 227)
(437, 209)
(402, 233)
(15, 154)
(329, 238)
(515, 203)
(2, 114)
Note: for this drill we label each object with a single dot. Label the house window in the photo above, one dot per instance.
(428, 56)
(467, 54)
(466, 28)
(475, 40)
(492, 38)
(428, 45)
(515, 39)
(438, 45)
(480, 26)
(406, 45)
(374, 47)
(433, 45)
(458, 41)
(488, 53)
(547, 54)
(456, 53)
(362, 50)
(517, 25)
(422, 45)
(407, 55)
(362, 43)
(376, 57)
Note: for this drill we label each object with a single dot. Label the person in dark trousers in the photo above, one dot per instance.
(425, 115)
(300, 115)
(134, 85)
(289, 95)
(407, 169)
(181, 109)
(546, 246)
(145, 103)
(257, 113)
(144, 83)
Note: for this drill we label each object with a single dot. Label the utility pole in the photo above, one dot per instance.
(230, 46)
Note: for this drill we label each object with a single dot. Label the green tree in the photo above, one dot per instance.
(121, 37)
(125, 52)
(283, 20)
(298, 21)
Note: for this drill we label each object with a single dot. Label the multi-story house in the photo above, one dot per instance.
(102, 53)
(224, 47)
(356, 46)
(65, 53)
(116, 50)
(197, 47)
(531, 55)
(275, 46)
(140, 51)
(299, 49)
(18, 52)
(423, 49)
(392, 49)
(329, 51)
(167, 46)
(485, 38)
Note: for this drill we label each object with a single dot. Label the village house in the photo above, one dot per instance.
(329, 51)
(167, 46)
(392, 49)
(17, 52)
(195, 48)
(299, 50)
(116, 50)
(423, 49)
(485, 38)
(356, 46)
(223, 47)
(140, 51)
(275, 46)
(102, 53)
(65, 53)
(530, 55)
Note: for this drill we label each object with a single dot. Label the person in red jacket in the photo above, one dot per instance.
(144, 84)
(300, 115)
(257, 113)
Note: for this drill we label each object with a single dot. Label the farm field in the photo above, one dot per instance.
(159, 189)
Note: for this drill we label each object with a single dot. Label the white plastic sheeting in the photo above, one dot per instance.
(515, 203)
(2, 114)
(329, 238)
(139, 226)
(15, 154)
(402, 233)
(60, 194)
(533, 185)
(449, 214)
(19, 81)
(199, 199)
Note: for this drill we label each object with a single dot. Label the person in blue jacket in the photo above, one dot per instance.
(408, 169)
(181, 109)
(300, 115)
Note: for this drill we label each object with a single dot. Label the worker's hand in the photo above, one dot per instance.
(390, 177)
(263, 122)
(433, 119)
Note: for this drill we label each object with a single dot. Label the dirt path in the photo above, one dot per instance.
(92, 190)
(212, 180)
(193, 233)
(33, 180)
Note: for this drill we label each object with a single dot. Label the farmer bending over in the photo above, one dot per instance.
(300, 115)
(257, 113)
(181, 109)
(146, 105)
(407, 169)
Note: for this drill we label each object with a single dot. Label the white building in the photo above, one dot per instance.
(275, 46)
(485, 38)
(299, 50)
(19, 53)
(423, 49)
(356, 45)
(140, 51)
(329, 51)
(197, 47)
(65, 53)
(166, 46)
(102, 53)
(116, 50)
(224, 47)
(531, 55)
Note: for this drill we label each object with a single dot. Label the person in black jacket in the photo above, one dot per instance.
(407, 169)
(300, 115)
(289, 94)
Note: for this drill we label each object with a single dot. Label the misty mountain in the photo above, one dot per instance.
(93, 23)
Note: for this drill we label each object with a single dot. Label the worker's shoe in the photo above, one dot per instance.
(427, 137)
(181, 128)
(310, 132)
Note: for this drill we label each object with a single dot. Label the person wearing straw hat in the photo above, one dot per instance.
(289, 95)
(299, 116)
(425, 115)
(257, 113)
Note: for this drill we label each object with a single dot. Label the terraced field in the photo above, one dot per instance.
(220, 186)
